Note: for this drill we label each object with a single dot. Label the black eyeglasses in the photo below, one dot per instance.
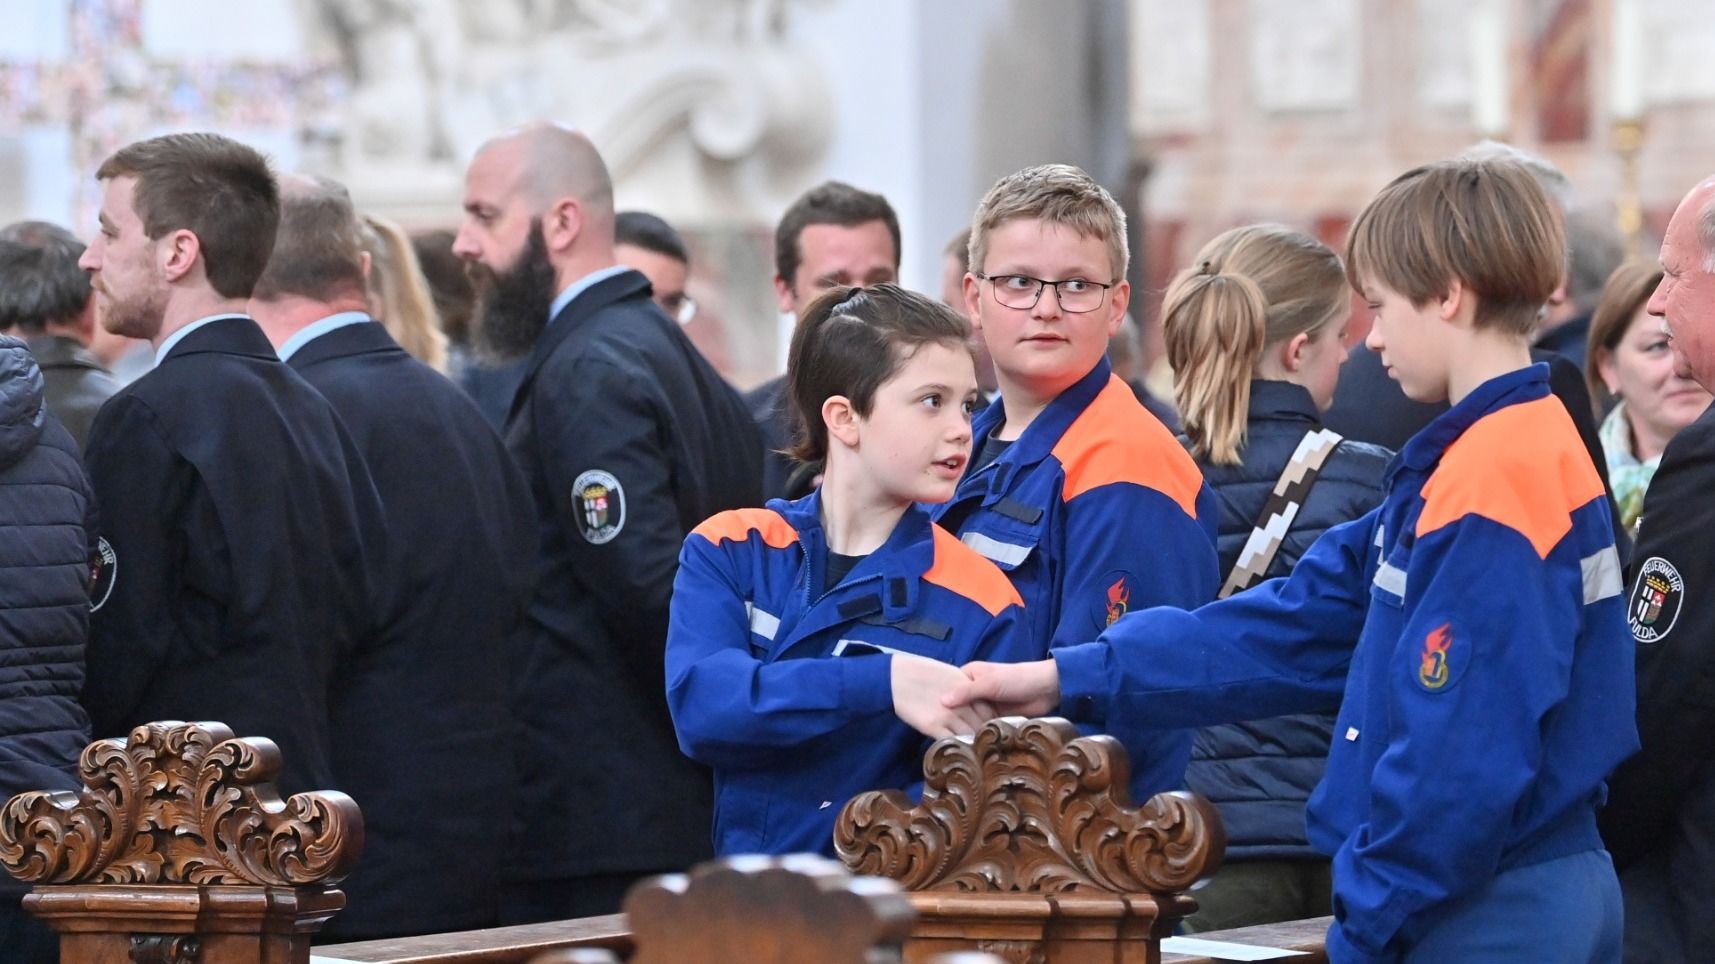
(1022, 292)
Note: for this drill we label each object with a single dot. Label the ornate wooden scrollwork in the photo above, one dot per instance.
(164, 949)
(1030, 806)
(180, 803)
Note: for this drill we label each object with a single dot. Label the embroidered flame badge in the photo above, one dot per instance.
(1434, 672)
(1119, 598)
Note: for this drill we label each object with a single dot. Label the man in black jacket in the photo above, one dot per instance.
(628, 439)
(47, 536)
(1660, 820)
(420, 709)
(240, 524)
(45, 300)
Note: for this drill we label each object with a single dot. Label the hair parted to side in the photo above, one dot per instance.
(1057, 194)
(651, 232)
(1487, 224)
(852, 340)
(1628, 289)
(832, 202)
(40, 281)
(212, 186)
(1250, 288)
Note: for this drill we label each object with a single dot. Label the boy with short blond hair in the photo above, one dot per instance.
(1490, 691)
(1083, 498)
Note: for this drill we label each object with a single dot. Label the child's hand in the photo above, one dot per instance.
(919, 688)
(1012, 689)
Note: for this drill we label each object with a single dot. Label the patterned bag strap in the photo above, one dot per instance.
(1281, 509)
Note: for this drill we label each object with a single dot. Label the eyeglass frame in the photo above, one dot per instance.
(1043, 285)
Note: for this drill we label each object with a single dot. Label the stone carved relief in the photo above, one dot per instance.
(180, 803)
(432, 79)
(1030, 806)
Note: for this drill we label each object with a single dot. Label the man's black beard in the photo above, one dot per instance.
(513, 305)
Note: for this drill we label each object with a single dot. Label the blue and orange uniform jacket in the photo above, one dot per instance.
(1490, 691)
(785, 689)
(1095, 510)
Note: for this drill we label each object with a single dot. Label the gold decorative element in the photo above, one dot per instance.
(1030, 806)
(180, 803)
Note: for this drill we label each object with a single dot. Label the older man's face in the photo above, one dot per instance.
(1685, 299)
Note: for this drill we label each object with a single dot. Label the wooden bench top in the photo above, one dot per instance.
(496, 945)
(1296, 935)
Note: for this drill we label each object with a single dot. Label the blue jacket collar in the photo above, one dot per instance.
(1282, 400)
(1424, 449)
(891, 574)
(1046, 430)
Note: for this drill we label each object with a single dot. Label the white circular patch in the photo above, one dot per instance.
(599, 504)
(1657, 596)
(103, 572)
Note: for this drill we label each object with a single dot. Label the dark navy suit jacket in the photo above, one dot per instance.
(421, 720)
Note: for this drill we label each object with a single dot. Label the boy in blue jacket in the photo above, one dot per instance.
(811, 642)
(1490, 691)
(1082, 497)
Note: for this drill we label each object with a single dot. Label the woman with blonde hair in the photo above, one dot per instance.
(399, 295)
(1255, 334)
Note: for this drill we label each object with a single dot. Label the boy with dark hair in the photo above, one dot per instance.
(1490, 691)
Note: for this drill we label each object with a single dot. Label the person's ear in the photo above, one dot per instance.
(1293, 350)
(841, 420)
(1456, 299)
(974, 301)
(178, 253)
(784, 297)
(563, 223)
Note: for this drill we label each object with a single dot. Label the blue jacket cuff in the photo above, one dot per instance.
(1083, 681)
(866, 683)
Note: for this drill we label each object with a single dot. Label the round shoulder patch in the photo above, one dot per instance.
(598, 501)
(103, 570)
(1653, 606)
(1442, 659)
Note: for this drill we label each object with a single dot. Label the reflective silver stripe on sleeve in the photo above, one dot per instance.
(995, 550)
(1391, 579)
(762, 623)
(1602, 577)
(845, 644)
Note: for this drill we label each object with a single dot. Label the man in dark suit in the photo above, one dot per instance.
(44, 299)
(628, 439)
(420, 710)
(833, 235)
(239, 523)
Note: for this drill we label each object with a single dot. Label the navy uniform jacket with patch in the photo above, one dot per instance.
(1095, 510)
(786, 689)
(421, 711)
(1490, 690)
(245, 531)
(1661, 809)
(628, 439)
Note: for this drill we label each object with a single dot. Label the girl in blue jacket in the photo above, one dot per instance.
(811, 641)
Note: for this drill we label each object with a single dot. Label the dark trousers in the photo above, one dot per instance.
(24, 939)
(1248, 892)
(566, 898)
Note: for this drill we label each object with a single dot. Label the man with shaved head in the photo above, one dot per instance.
(1660, 820)
(431, 682)
(628, 439)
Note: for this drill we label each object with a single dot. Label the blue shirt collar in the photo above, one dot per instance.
(178, 336)
(1424, 449)
(315, 330)
(580, 286)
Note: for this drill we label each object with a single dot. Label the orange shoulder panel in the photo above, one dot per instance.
(736, 525)
(1117, 440)
(961, 569)
(1523, 467)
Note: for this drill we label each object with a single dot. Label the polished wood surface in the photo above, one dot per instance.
(179, 850)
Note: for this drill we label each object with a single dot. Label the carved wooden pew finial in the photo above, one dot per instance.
(179, 849)
(1029, 821)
